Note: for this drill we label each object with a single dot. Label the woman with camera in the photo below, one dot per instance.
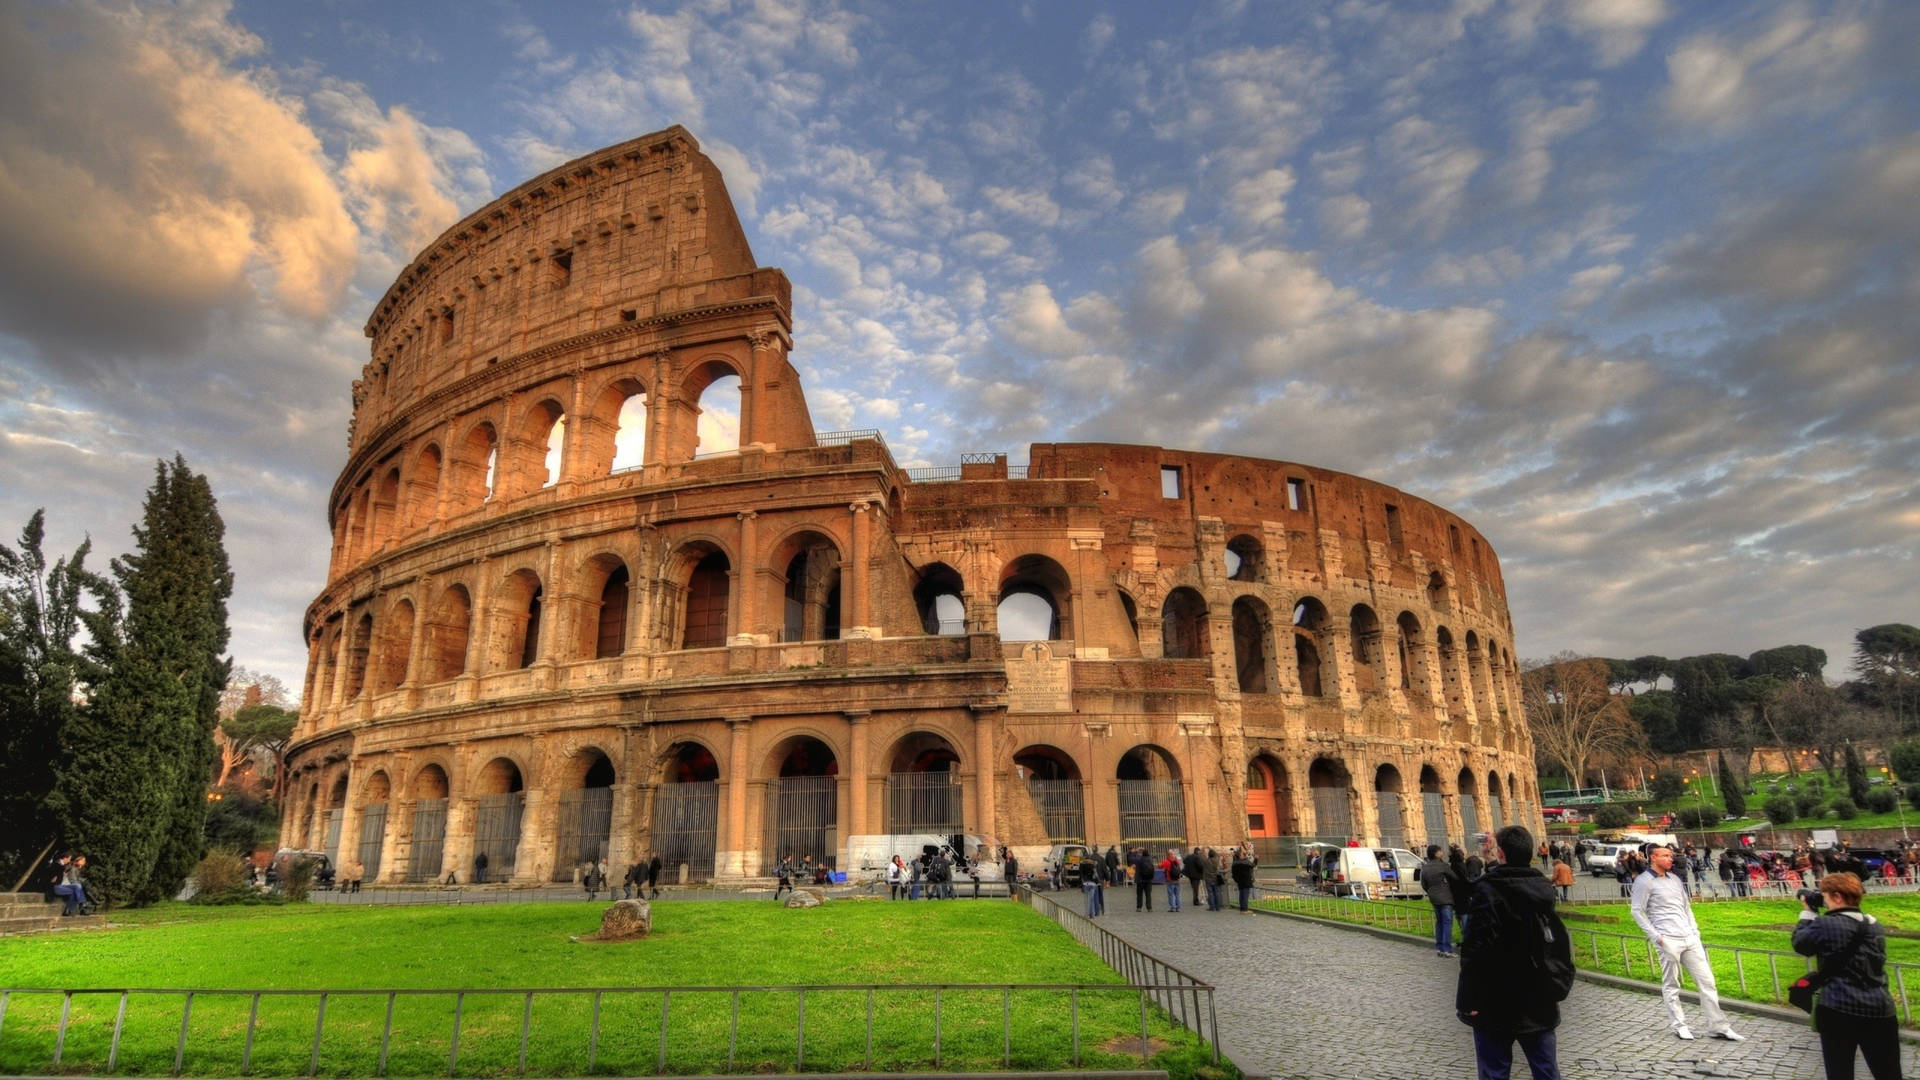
(1854, 1008)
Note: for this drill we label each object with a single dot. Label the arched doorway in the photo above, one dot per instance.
(1153, 809)
(429, 836)
(1053, 782)
(585, 828)
(1386, 795)
(1496, 812)
(1433, 807)
(803, 802)
(1269, 806)
(496, 826)
(923, 787)
(335, 815)
(373, 824)
(686, 812)
(1469, 809)
(1332, 809)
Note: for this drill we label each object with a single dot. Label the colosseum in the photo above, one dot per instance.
(598, 588)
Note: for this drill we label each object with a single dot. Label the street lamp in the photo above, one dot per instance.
(1898, 802)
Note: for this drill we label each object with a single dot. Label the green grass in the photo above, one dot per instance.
(523, 946)
(1605, 938)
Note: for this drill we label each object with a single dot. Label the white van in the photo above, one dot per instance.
(1399, 872)
(1355, 872)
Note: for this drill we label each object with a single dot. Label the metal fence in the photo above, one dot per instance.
(1759, 974)
(629, 1030)
(1184, 999)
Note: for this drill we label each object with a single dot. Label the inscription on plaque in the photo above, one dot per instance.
(1038, 683)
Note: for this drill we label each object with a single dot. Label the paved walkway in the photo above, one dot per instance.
(1303, 999)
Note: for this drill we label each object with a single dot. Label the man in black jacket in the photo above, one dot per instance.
(1194, 869)
(1515, 964)
(1436, 878)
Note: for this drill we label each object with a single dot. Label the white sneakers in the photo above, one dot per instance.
(1684, 1032)
(1730, 1035)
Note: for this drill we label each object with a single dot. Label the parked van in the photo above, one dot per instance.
(1354, 872)
(1399, 872)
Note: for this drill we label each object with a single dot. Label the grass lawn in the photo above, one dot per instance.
(1605, 938)
(526, 946)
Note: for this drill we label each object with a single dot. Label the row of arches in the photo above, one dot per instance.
(1333, 802)
(502, 454)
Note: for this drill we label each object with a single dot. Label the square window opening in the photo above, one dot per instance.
(1393, 525)
(1296, 493)
(1169, 481)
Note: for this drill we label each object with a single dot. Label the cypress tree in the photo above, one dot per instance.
(1732, 787)
(140, 757)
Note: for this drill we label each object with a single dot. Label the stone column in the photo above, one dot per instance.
(857, 616)
(733, 862)
(1339, 657)
(987, 768)
(747, 577)
(761, 343)
(858, 764)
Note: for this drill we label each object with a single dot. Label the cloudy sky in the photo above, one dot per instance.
(1633, 285)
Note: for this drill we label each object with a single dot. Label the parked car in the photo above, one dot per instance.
(1068, 858)
(1399, 872)
(1604, 859)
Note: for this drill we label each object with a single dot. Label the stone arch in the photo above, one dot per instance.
(1416, 678)
(449, 628)
(1035, 589)
(359, 648)
(1389, 809)
(1269, 798)
(396, 647)
(807, 567)
(427, 829)
(538, 452)
(803, 799)
(703, 586)
(686, 810)
(1183, 626)
(584, 826)
(1253, 659)
(1433, 806)
(1311, 654)
(1152, 801)
(1332, 787)
(386, 506)
(325, 665)
(616, 437)
(522, 599)
(476, 466)
(1055, 787)
(1477, 675)
(499, 791)
(1369, 650)
(1472, 823)
(923, 786)
(423, 488)
(1246, 558)
(940, 596)
(714, 388)
(607, 588)
(1496, 803)
(1450, 674)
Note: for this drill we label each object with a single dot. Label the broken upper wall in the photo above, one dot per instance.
(629, 234)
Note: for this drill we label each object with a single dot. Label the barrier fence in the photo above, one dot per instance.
(576, 1031)
(1752, 974)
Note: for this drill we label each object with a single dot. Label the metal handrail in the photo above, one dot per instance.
(841, 438)
(1184, 998)
(1632, 949)
(1145, 992)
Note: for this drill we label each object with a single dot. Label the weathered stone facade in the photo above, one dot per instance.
(796, 642)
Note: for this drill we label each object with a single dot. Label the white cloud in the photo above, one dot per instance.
(1617, 28)
(1802, 61)
(1260, 202)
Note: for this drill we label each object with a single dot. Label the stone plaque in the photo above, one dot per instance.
(1038, 683)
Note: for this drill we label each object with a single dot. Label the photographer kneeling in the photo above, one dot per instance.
(1854, 1007)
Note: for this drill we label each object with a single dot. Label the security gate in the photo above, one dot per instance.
(373, 838)
(1059, 804)
(1391, 834)
(496, 833)
(1469, 818)
(802, 812)
(1152, 811)
(1434, 806)
(586, 823)
(685, 818)
(924, 802)
(1332, 814)
(429, 838)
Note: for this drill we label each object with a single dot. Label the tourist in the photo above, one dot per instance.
(635, 878)
(896, 877)
(1853, 1007)
(1243, 867)
(479, 869)
(1563, 879)
(1512, 978)
(1194, 868)
(72, 886)
(1012, 873)
(1436, 878)
(1665, 914)
(654, 866)
(1090, 884)
(1215, 877)
(783, 875)
(1142, 868)
(1171, 868)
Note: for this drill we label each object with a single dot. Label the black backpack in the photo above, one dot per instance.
(1541, 939)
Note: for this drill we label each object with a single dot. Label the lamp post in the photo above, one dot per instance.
(1898, 802)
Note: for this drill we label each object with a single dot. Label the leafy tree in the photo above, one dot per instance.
(134, 787)
(1609, 816)
(244, 688)
(1658, 714)
(1732, 788)
(1882, 800)
(1781, 809)
(1703, 693)
(1789, 662)
(1887, 660)
(1573, 715)
(1905, 758)
(261, 727)
(1846, 808)
(1666, 785)
(39, 678)
(1856, 774)
(1697, 817)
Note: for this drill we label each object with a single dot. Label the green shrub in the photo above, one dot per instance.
(1609, 816)
(1905, 758)
(1773, 787)
(1845, 808)
(220, 871)
(1697, 817)
(1807, 801)
(1666, 785)
(1813, 781)
(298, 882)
(1913, 793)
(1782, 809)
(1882, 800)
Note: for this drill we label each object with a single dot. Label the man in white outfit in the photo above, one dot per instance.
(1665, 915)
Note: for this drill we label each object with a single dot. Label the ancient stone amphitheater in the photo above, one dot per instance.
(599, 588)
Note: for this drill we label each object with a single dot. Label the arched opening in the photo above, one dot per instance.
(496, 823)
(616, 437)
(520, 608)
(1183, 626)
(386, 507)
(1496, 807)
(359, 646)
(1054, 785)
(630, 434)
(423, 490)
(447, 634)
(325, 665)
(1450, 674)
(585, 826)
(686, 811)
(1252, 660)
(1469, 790)
(708, 588)
(1433, 806)
(1246, 559)
(1034, 593)
(1309, 633)
(396, 650)
(803, 802)
(1269, 803)
(429, 831)
(332, 819)
(939, 598)
(1477, 678)
(1415, 678)
(1369, 657)
(923, 786)
(556, 450)
(1386, 794)
(719, 423)
(536, 451)
(603, 630)
(1153, 808)
(474, 467)
(1332, 802)
(373, 824)
(810, 593)
(1132, 611)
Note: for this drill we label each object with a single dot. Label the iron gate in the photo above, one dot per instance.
(429, 839)
(1332, 813)
(924, 802)
(586, 823)
(1434, 807)
(373, 838)
(686, 817)
(1060, 806)
(1391, 834)
(1152, 811)
(496, 832)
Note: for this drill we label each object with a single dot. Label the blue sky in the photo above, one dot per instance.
(1632, 285)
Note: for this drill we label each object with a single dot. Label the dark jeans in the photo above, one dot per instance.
(1143, 894)
(1443, 928)
(1877, 1039)
(1246, 893)
(1494, 1053)
(1213, 897)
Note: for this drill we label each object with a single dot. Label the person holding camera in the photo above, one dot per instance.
(1854, 1008)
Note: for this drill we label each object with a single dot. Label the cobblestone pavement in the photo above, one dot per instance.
(1302, 999)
